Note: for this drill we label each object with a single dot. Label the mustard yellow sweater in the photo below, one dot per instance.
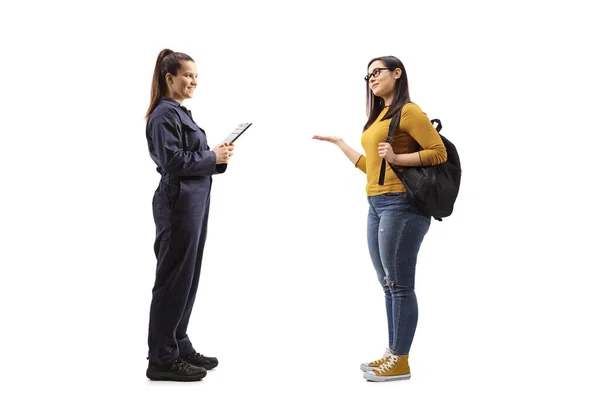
(415, 129)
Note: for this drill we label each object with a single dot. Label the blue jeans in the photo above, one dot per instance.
(395, 234)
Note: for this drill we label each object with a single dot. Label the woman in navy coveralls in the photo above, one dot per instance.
(180, 206)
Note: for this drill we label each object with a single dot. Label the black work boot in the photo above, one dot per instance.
(177, 370)
(199, 360)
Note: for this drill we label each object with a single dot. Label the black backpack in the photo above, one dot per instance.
(431, 190)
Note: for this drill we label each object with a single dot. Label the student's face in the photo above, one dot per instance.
(182, 85)
(382, 83)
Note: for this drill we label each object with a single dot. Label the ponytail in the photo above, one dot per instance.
(167, 61)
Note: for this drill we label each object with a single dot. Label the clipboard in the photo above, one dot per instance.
(237, 132)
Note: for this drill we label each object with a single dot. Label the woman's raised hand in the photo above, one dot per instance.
(331, 139)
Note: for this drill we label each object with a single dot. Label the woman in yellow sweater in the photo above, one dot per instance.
(394, 230)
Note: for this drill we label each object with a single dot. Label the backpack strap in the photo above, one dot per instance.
(393, 126)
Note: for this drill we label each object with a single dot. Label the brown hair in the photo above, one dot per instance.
(401, 94)
(168, 61)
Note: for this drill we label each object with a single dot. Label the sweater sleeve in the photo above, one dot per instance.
(417, 124)
(362, 163)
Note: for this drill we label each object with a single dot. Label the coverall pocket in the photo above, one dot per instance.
(191, 137)
(175, 194)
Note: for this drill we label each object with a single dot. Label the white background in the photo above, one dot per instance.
(288, 299)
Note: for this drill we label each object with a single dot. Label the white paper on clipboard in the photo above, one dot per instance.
(237, 132)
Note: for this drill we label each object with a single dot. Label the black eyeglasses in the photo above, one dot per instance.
(376, 73)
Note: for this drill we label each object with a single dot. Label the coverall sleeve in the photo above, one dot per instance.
(167, 137)
(220, 168)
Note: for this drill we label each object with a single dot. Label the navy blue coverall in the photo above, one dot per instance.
(180, 206)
